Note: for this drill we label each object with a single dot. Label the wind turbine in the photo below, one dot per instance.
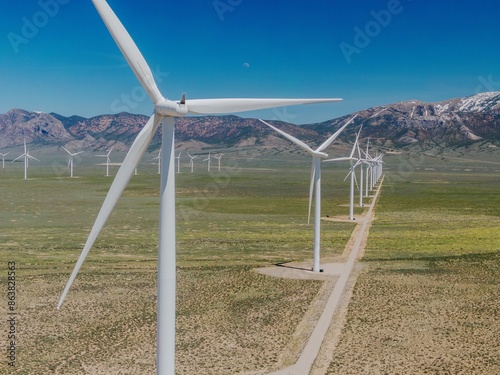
(317, 155)
(26, 157)
(191, 164)
(159, 161)
(209, 161)
(361, 174)
(3, 159)
(178, 157)
(377, 168)
(218, 157)
(369, 168)
(70, 162)
(108, 161)
(354, 163)
(165, 112)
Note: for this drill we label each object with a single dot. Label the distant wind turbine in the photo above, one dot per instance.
(159, 161)
(218, 157)
(354, 163)
(209, 161)
(191, 163)
(361, 175)
(70, 162)
(26, 157)
(368, 169)
(3, 159)
(165, 112)
(178, 157)
(375, 167)
(108, 161)
(317, 155)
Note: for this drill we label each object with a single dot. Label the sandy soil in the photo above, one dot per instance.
(423, 318)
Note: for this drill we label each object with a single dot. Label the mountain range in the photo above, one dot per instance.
(451, 123)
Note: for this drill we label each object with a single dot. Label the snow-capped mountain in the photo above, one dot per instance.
(452, 122)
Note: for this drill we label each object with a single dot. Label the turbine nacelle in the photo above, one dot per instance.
(165, 107)
(319, 154)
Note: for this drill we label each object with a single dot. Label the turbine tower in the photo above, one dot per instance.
(3, 159)
(191, 163)
(165, 112)
(70, 162)
(26, 157)
(317, 155)
(108, 161)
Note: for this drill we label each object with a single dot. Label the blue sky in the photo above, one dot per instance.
(57, 56)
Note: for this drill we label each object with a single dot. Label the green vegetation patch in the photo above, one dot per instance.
(432, 316)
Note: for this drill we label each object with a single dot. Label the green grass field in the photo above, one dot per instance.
(427, 299)
(253, 213)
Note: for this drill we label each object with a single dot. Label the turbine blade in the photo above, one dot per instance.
(311, 189)
(335, 135)
(355, 179)
(231, 105)
(19, 157)
(129, 49)
(338, 159)
(291, 138)
(65, 149)
(32, 157)
(121, 180)
(359, 151)
(348, 174)
(356, 142)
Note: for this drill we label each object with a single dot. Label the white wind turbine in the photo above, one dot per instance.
(26, 157)
(3, 159)
(165, 112)
(354, 163)
(71, 157)
(209, 161)
(368, 169)
(317, 155)
(375, 168)
(218, 157)
(178, 157)
(361, 175)
(108, 161)
(191, 163)
(159, 161)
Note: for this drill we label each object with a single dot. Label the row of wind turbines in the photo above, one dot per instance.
(165, 113)
(191, 161)
(26, 155)
(373, 174)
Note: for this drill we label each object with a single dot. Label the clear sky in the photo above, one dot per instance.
(57, 56)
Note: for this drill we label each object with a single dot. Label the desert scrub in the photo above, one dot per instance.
(418, 317)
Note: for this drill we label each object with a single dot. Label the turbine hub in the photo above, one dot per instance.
(321, 154)
(167, 107)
